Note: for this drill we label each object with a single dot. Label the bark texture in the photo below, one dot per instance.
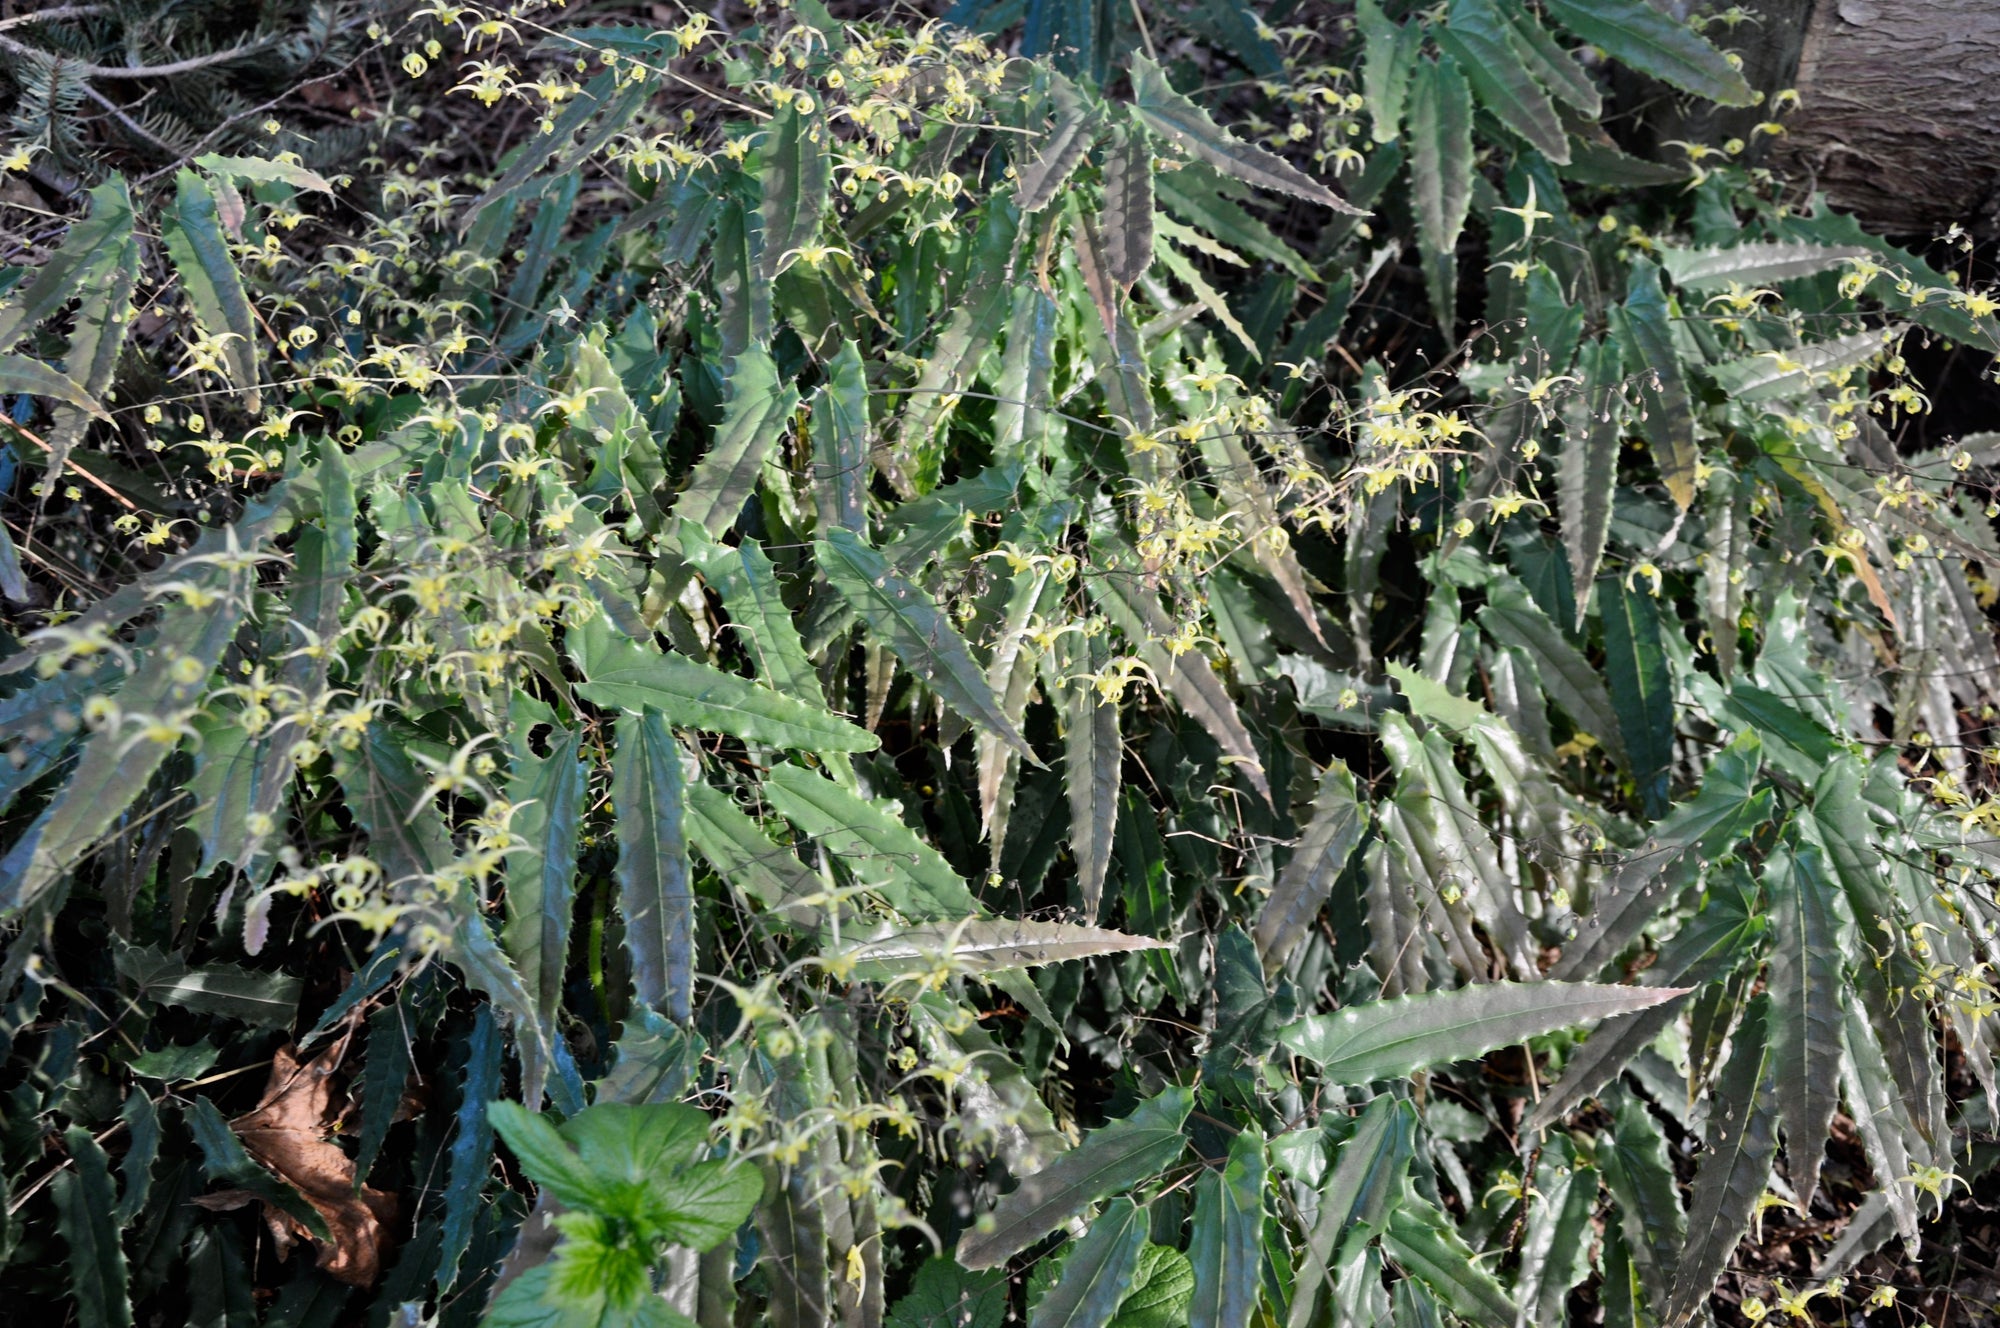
(1901, 118)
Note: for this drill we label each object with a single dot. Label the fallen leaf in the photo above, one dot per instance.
(287, 1133)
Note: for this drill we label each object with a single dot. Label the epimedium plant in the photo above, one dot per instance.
(843, 657)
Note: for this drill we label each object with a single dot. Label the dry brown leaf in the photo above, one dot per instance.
(287, 1133)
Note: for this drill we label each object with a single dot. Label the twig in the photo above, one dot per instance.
(56, 15)
(186, 66)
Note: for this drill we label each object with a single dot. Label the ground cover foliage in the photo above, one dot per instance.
(1110, 668)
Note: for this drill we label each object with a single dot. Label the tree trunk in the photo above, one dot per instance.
(1901, 113)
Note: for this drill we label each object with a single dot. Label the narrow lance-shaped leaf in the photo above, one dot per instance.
(980, 945)
(84, 1204)
(1805, 987)
(840, 442)
(743, 855)
(193, 232)
(1098, 1271)
(541, 883)
(385, 1076)
(1477, 37)
(1754, 264)
(1390, 1039)
(1587, 471)
(652, 865)
(1555, 67)
(1389, 56)
(1772, 374)
(1162, 1291)
(1128, 206)
(913, 626)
(1440, 175)
(1512, 618)
(1169, 113)
(471, 1156)
(797, 175)
(1366, 1179)
(20, 376)
(871, 842)
(1068, 141)
(1886, 1132)
(1093, 765)
(1424, 1240)
(1108, 1161)
(87, 250)
(1555, 1245)
(1634, 33)
(1641, 686)
(1226, 1242)
(1648, 346)
(755, 416)
(628, 676)
(748, 584)
(1735, 1166)
(1641, 1180)
(1336, 827)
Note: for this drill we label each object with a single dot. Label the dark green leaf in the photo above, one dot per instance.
(1735, 1166)
(200, 251)
(1646, 341)
(1226, 1244)
(90, 1229)
(1168, 113)
(653, 890)
(1641, 686)
(1097, 1271)
(1656, 44)
(1440, 175)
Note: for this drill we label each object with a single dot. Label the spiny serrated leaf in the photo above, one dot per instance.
(1127, 223)
(541, 881)
(757, 413)
(623, 674)
(1773, 374)
(1390, 1039)
(1646, 342)
(1162, 1289)
(1558, 69)
(1634, 33)
(1097, 1272)
(1478, 39)
(1093, 766)
(905, 618)
(742, 854)
(471, 1155)
(797, 176)
(653, 889)
(1109, 1161)
(1512, 618)
(871, 842)
(1389, 56)
(384, 1077)
(1366, 1179)
(224, 1159)
(1735, 1166)
(1754, 263)
(87, 250)
(537, 151)
(1322, 852)
(1555, 1244)
(1885, 1129)
(1587, 471)
(748, 583)
(1225, 1245)
(193, 232)
(1172, 115)
(1635, 666)
(840, 442)
(1641, 1180)
(979, 945)
(1440, 175)
(262, 170)
(1423, 1239)
(1068, 141)
(84, 1217)
(22, 376)
(1805, 985)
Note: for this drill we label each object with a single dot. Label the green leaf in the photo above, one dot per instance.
(797, 177)
(1641, 686)
(261, 170)
(742, 854)
(534, 1300)
(1389, 57)
(627, 676)
(142, 1131)
(385, 1076)
(1162, 1289)
(264, 1000)
(1806, 988)
(1109, 1161)
(707, 1202)
(1556, 68)
(841, 469)
(1754, 263)
(224, 1160)
(88, 1226)
(1555, 1246)
(1587, 471)
(470, 1160)
(1068, 142)
(653, 890)
(200, 251)
(755, 417)
(1479, 40)
(549, 794)
(1321, 854)
(1097, 1271)
(92, 247)
(1646, 340)
(537, 150)
(943, 1295)
(31, 378)
(1440, 175)
(1390, 1039)
(1640, 1178)
(1093, 767)
(871, 842)
(1423, 1239)
(1735, 1165)
(910, 623)
(748, 584)
(1127, 218)
(1634, 33)
(1365, 1183)
(1225, 1247)
(1168, 113)
(979, 945)
(1773, 374)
